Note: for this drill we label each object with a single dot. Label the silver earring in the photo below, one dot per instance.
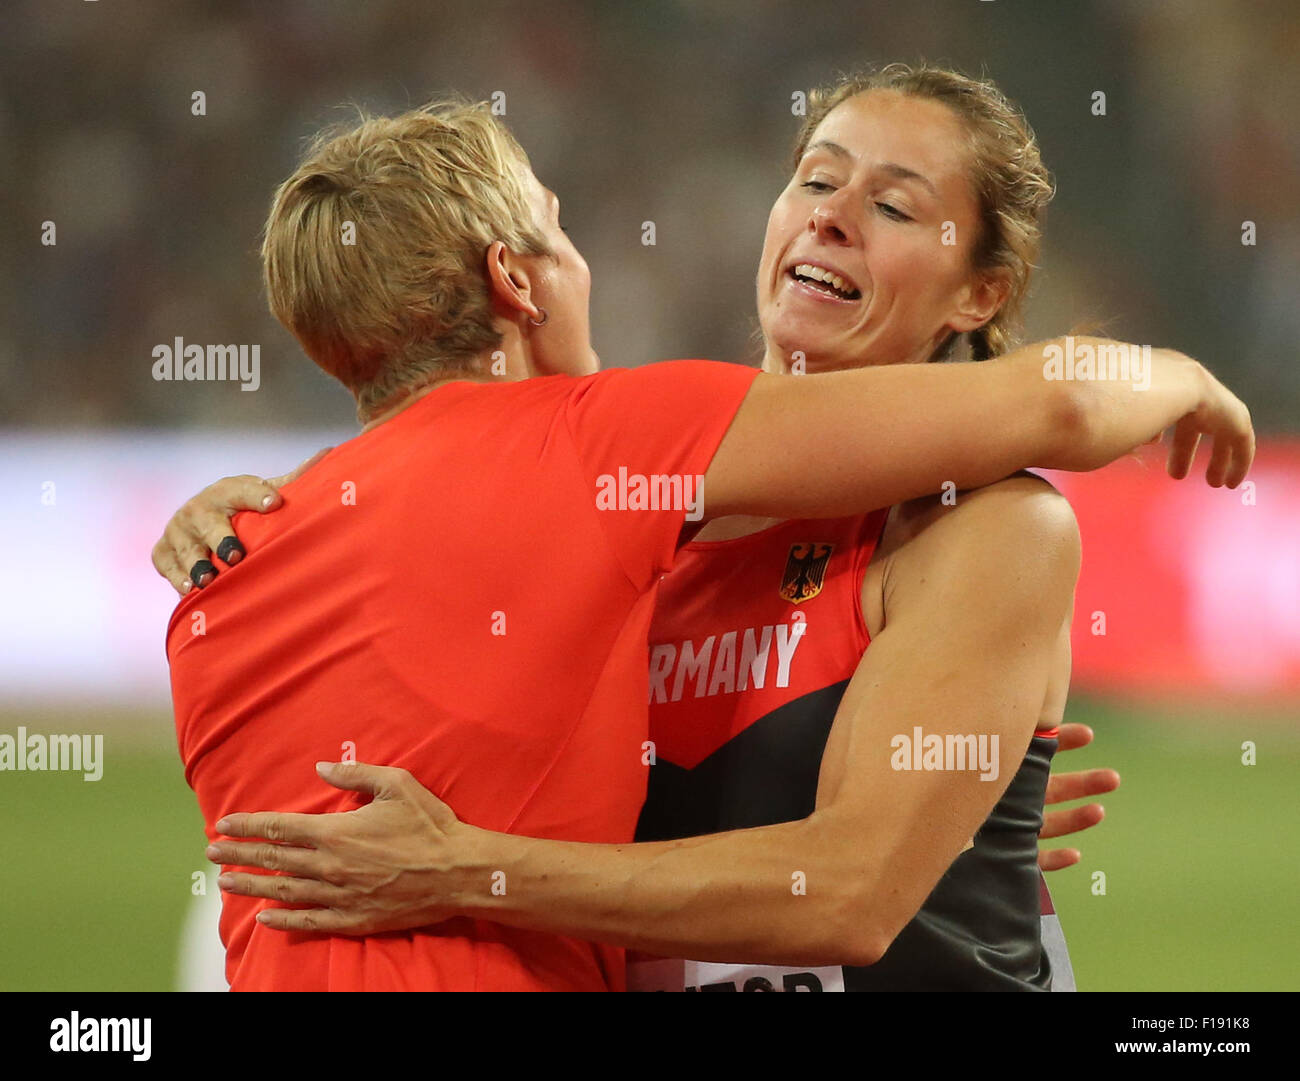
(542, 320)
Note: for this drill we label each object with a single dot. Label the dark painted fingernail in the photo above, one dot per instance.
(230, 551)
(202, 573)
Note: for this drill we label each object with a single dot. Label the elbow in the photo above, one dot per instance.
(876, 934)
(867, 951)
(863, 945)
(1078, 406)
(1070, 416)
(857, 920)
(864, 932)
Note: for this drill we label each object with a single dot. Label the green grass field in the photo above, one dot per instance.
(1199, 853)
(1200, 857)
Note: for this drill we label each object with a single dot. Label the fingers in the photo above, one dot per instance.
(306, 862)
(1072, 736)
(204, 530)
(320, 920)
(382, 782)
(206, 521)
(166, 564)
(202, 527)
(282, 888)
(1056, 859)
(247, 492)
(1234, 436)
(229, 550)
(286, 828)
(1243, 455)
(1220, 460)
(1063, 787)
(1059, 823)
(1182, 449)
(202, 573)
(188, 552)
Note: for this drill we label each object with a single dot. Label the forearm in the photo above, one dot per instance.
(781, 894)
(1112, 415)
(883, 436)
(1088, 420)
(881, 836)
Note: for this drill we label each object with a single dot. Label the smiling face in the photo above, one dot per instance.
(855, 269)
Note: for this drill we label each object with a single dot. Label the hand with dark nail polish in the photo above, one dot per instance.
(230, 551)
(202, 573)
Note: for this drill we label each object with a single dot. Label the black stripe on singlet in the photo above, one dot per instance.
(979, 929)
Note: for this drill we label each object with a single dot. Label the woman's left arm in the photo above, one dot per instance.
(975, 602)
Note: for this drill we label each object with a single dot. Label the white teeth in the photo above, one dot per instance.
(816, 273)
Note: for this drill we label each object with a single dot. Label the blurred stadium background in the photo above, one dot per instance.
(676, 113)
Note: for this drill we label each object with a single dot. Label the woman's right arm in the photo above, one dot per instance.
(844, 442)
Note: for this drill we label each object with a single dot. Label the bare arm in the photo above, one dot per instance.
(843, 442)
(996, 574)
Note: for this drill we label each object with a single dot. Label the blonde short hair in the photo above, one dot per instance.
(1012, 187)
(373, 252)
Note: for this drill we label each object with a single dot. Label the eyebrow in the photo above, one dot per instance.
(900, 172)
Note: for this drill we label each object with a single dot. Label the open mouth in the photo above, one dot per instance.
(825, 281)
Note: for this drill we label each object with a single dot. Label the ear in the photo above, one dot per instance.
(509, 282)
(981, 300)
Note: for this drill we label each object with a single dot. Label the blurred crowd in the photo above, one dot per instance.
(676, 113)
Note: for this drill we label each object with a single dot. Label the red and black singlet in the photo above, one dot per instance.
(753, 644)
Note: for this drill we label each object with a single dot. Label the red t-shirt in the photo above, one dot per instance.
(455, 592)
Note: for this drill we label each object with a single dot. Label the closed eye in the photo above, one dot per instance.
(891, 212)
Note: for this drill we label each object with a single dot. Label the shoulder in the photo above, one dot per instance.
(666, 398)
(669, 376)
(1021, 512)
(1018, 536)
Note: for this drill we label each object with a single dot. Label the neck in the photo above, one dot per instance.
(775, 362)
(506, 363)
(393, 406)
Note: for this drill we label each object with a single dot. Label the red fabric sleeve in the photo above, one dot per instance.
(644, 438)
